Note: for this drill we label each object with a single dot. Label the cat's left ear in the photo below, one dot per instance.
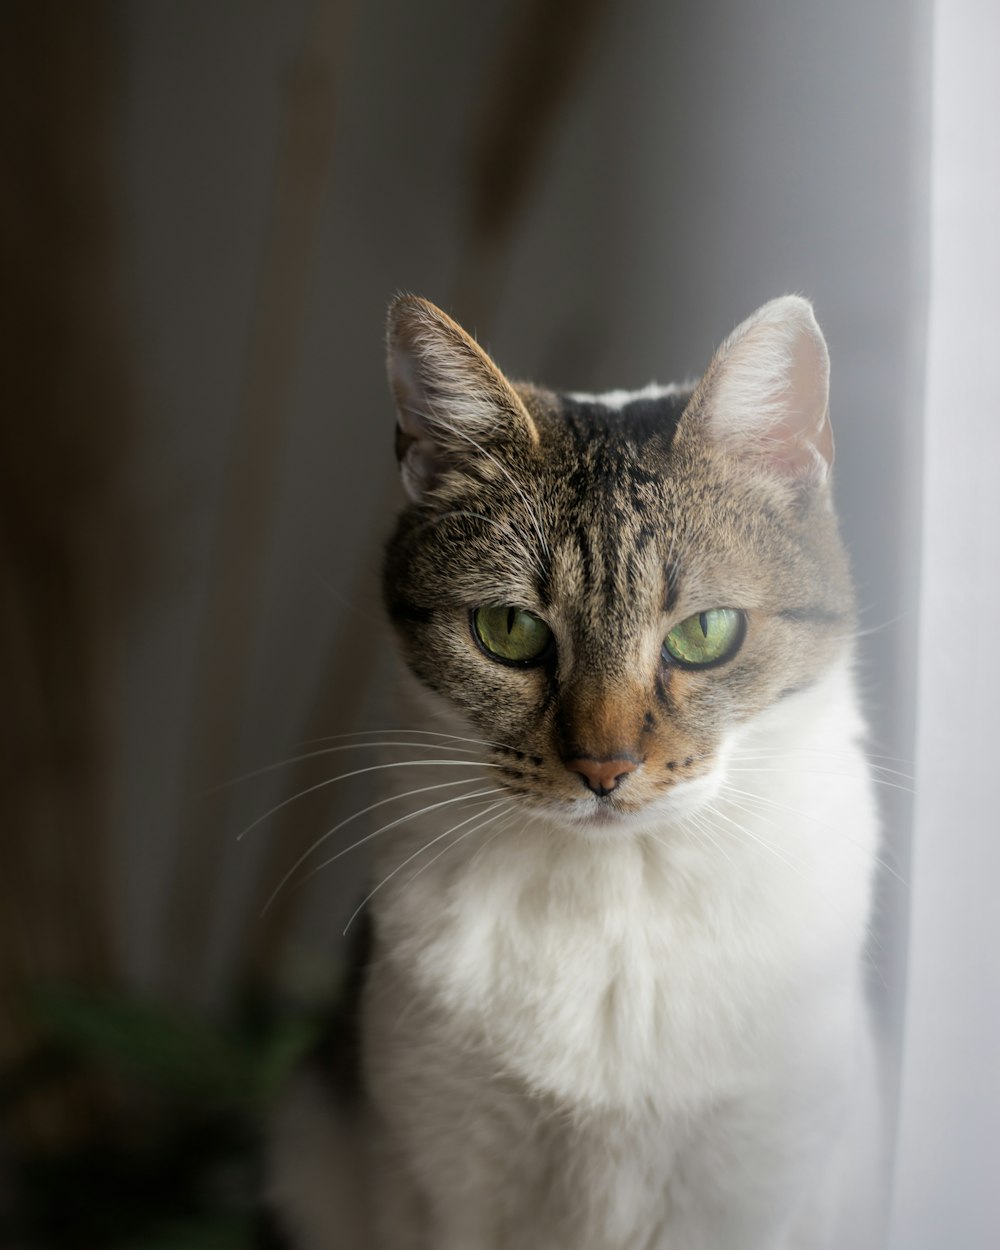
(766, 392)
(452, 401)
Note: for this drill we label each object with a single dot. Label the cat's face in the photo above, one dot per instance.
(607, 590)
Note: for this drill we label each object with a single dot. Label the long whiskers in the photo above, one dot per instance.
(710, 807)
(395, 730)
(703, 829)
(751, 798)
(358, 772)
(825, 772)
(368, 837)
(512, 819)
(865, 762)
(461, 838)
(409, 860)
(798, 871)
(347, 746)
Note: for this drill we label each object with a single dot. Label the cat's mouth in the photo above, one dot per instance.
(606, 814)
(598, 815)
(602, 814)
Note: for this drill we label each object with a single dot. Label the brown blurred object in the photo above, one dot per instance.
(63, 448)
(530, 86)
(275, 342)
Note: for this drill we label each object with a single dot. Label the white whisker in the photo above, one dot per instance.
(867, 761)
(755, 838)
(358, 772)
(823, 772)
(409, 860)
(428, 733)
(703, 828)
(507, 824)
(461, 837)
(309, 755)
(836, 911)
(751, 797)
(363, 812)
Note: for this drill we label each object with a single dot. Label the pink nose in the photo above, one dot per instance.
(602, 776)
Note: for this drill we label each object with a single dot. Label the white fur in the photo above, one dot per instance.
(654, 1041)
(616, 400)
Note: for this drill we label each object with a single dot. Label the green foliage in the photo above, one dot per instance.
(178, 1162)
(173, 1052)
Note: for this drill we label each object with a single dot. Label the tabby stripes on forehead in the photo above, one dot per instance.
(672, 574)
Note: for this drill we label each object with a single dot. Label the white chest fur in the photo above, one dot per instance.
(668, 970)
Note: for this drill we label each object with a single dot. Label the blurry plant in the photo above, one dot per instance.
(178, 1163)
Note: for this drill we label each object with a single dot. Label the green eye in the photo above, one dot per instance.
(706, 637)
(511, 634)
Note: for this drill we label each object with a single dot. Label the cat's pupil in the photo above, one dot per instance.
(703, 622)
(511, 618)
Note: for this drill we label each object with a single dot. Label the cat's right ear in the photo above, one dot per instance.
(452, 401)
(765, 396)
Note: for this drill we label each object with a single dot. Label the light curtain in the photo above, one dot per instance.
(946, 1193)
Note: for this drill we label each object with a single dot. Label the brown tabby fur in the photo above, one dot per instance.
(612, 528)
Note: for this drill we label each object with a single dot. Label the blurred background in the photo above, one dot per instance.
(205, 210)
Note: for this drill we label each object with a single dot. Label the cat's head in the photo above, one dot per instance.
(608, 587)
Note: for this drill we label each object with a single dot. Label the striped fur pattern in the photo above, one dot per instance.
(612, 524)
(625, 1018)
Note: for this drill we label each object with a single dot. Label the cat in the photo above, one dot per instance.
(621, 1005)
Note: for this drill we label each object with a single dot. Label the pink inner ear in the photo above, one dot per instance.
(767, 390)
(406, 388)
(802, 437)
